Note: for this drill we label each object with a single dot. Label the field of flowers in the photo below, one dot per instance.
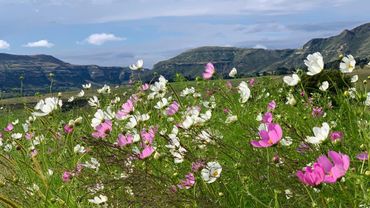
(260, 142)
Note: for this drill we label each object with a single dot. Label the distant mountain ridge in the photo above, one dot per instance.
(253, 61)
(36, 69)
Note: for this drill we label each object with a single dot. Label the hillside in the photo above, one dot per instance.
(254, 61)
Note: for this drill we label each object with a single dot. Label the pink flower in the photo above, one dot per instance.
(34, 152)
(270, 137)
(144, 87)
(209, 71)
(267, 118)
(148, 136)
(67, 176)
(102, 129)
(226, 110)
(312, 176)
(336, 136)
(317, 112)
(196, 166)
(9, 127)
(337, 168)
(302, 93)
(251, 82)
(68, 129)
(148, 150)
(271, 105)
(229, 85)
(126, 109)
(124, 140)
(363, 156)
(172, 109)
(28, 135)
(188, 182)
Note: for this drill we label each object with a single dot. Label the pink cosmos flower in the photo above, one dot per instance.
(68, 129)
(172, 109)
(363, 156)
(337, 168)
(270, 137)
(251, 82)
(311, 176)
(209, 71)
(267, 118)
(124, 140)
(102, 129)
(229, 85)
(196, 166)
(317, 112)
(126, 109)
(148, 150)
(272, 105)
(144, 87)
(336, 136)
(226, 110)
(28, 135)
(188, 182)
(34, 152)
(148, 136)
(9, 127)
(67, 176)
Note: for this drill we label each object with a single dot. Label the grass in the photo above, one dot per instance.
(250, 177)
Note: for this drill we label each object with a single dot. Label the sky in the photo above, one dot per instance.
(118, 32)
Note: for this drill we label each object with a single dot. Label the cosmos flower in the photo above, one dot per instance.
(172, 109)
(86, 86)
(269, 137)
(188, 182)
(336, 168)
(244, 92)
(233, 72)
(45, 107)
(291, 80)
(348, 64)
(315, 63)
(103, 129)
(137, 66)
(362, 156)
(320, 134)
(211, 172)
(124, 140)
(208, 71)
(9, 127)
(311, 176)
(324, 86)
(101, 199)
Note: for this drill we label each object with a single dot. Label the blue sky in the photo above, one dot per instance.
(117, 32)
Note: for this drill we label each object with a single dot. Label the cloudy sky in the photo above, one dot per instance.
(117, 32)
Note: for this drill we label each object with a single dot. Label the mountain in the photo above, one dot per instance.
(254, 61)
(36, 70)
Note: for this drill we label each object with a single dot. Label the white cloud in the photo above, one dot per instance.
(4, 44)
(39, 44)
(260, 46)
(101, 38)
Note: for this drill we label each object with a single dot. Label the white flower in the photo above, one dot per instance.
(320, 134)
(45, 107)
(161, 104)
(211, 172)
(348, 64)
(104, 90)
(288, 193)
(292, 80)
(233, 72)
(139, 64)
(291, 100)
(315, 63)
(94, 102)
(287, 141)
(71, 99)
(79, 149)
(93, 164)
(86, 86)
(99, 199)
(324, 86)
(15, 122)
(354, 78)
(81, 93)
(100, 116)
(16, 135)
(367, 101)
(158, 89)
(187, 91)
(244, 92)
(8, 147)
(231, 118)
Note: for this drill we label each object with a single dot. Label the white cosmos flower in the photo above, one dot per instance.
(16, 135)
(100, 116)
(104, 90)
(244, 92)
(324, 86)
(45, 107)
(211, 172)
(231, 118)
(71, 99)
(86, 86)
(233, 72)
(315, 63)
(139, 65)
(287, 141)
(94, 102)
(320, 134)
(81, 93)
(79, 149)
(348, 64)
(161, 104)
(15, 122)
(158, 89)
(292, 80)
(354, 78)
(187, 91)
(291, 100)
(99, 199)
(367, 101)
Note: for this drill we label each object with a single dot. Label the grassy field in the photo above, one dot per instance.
(241, 143)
